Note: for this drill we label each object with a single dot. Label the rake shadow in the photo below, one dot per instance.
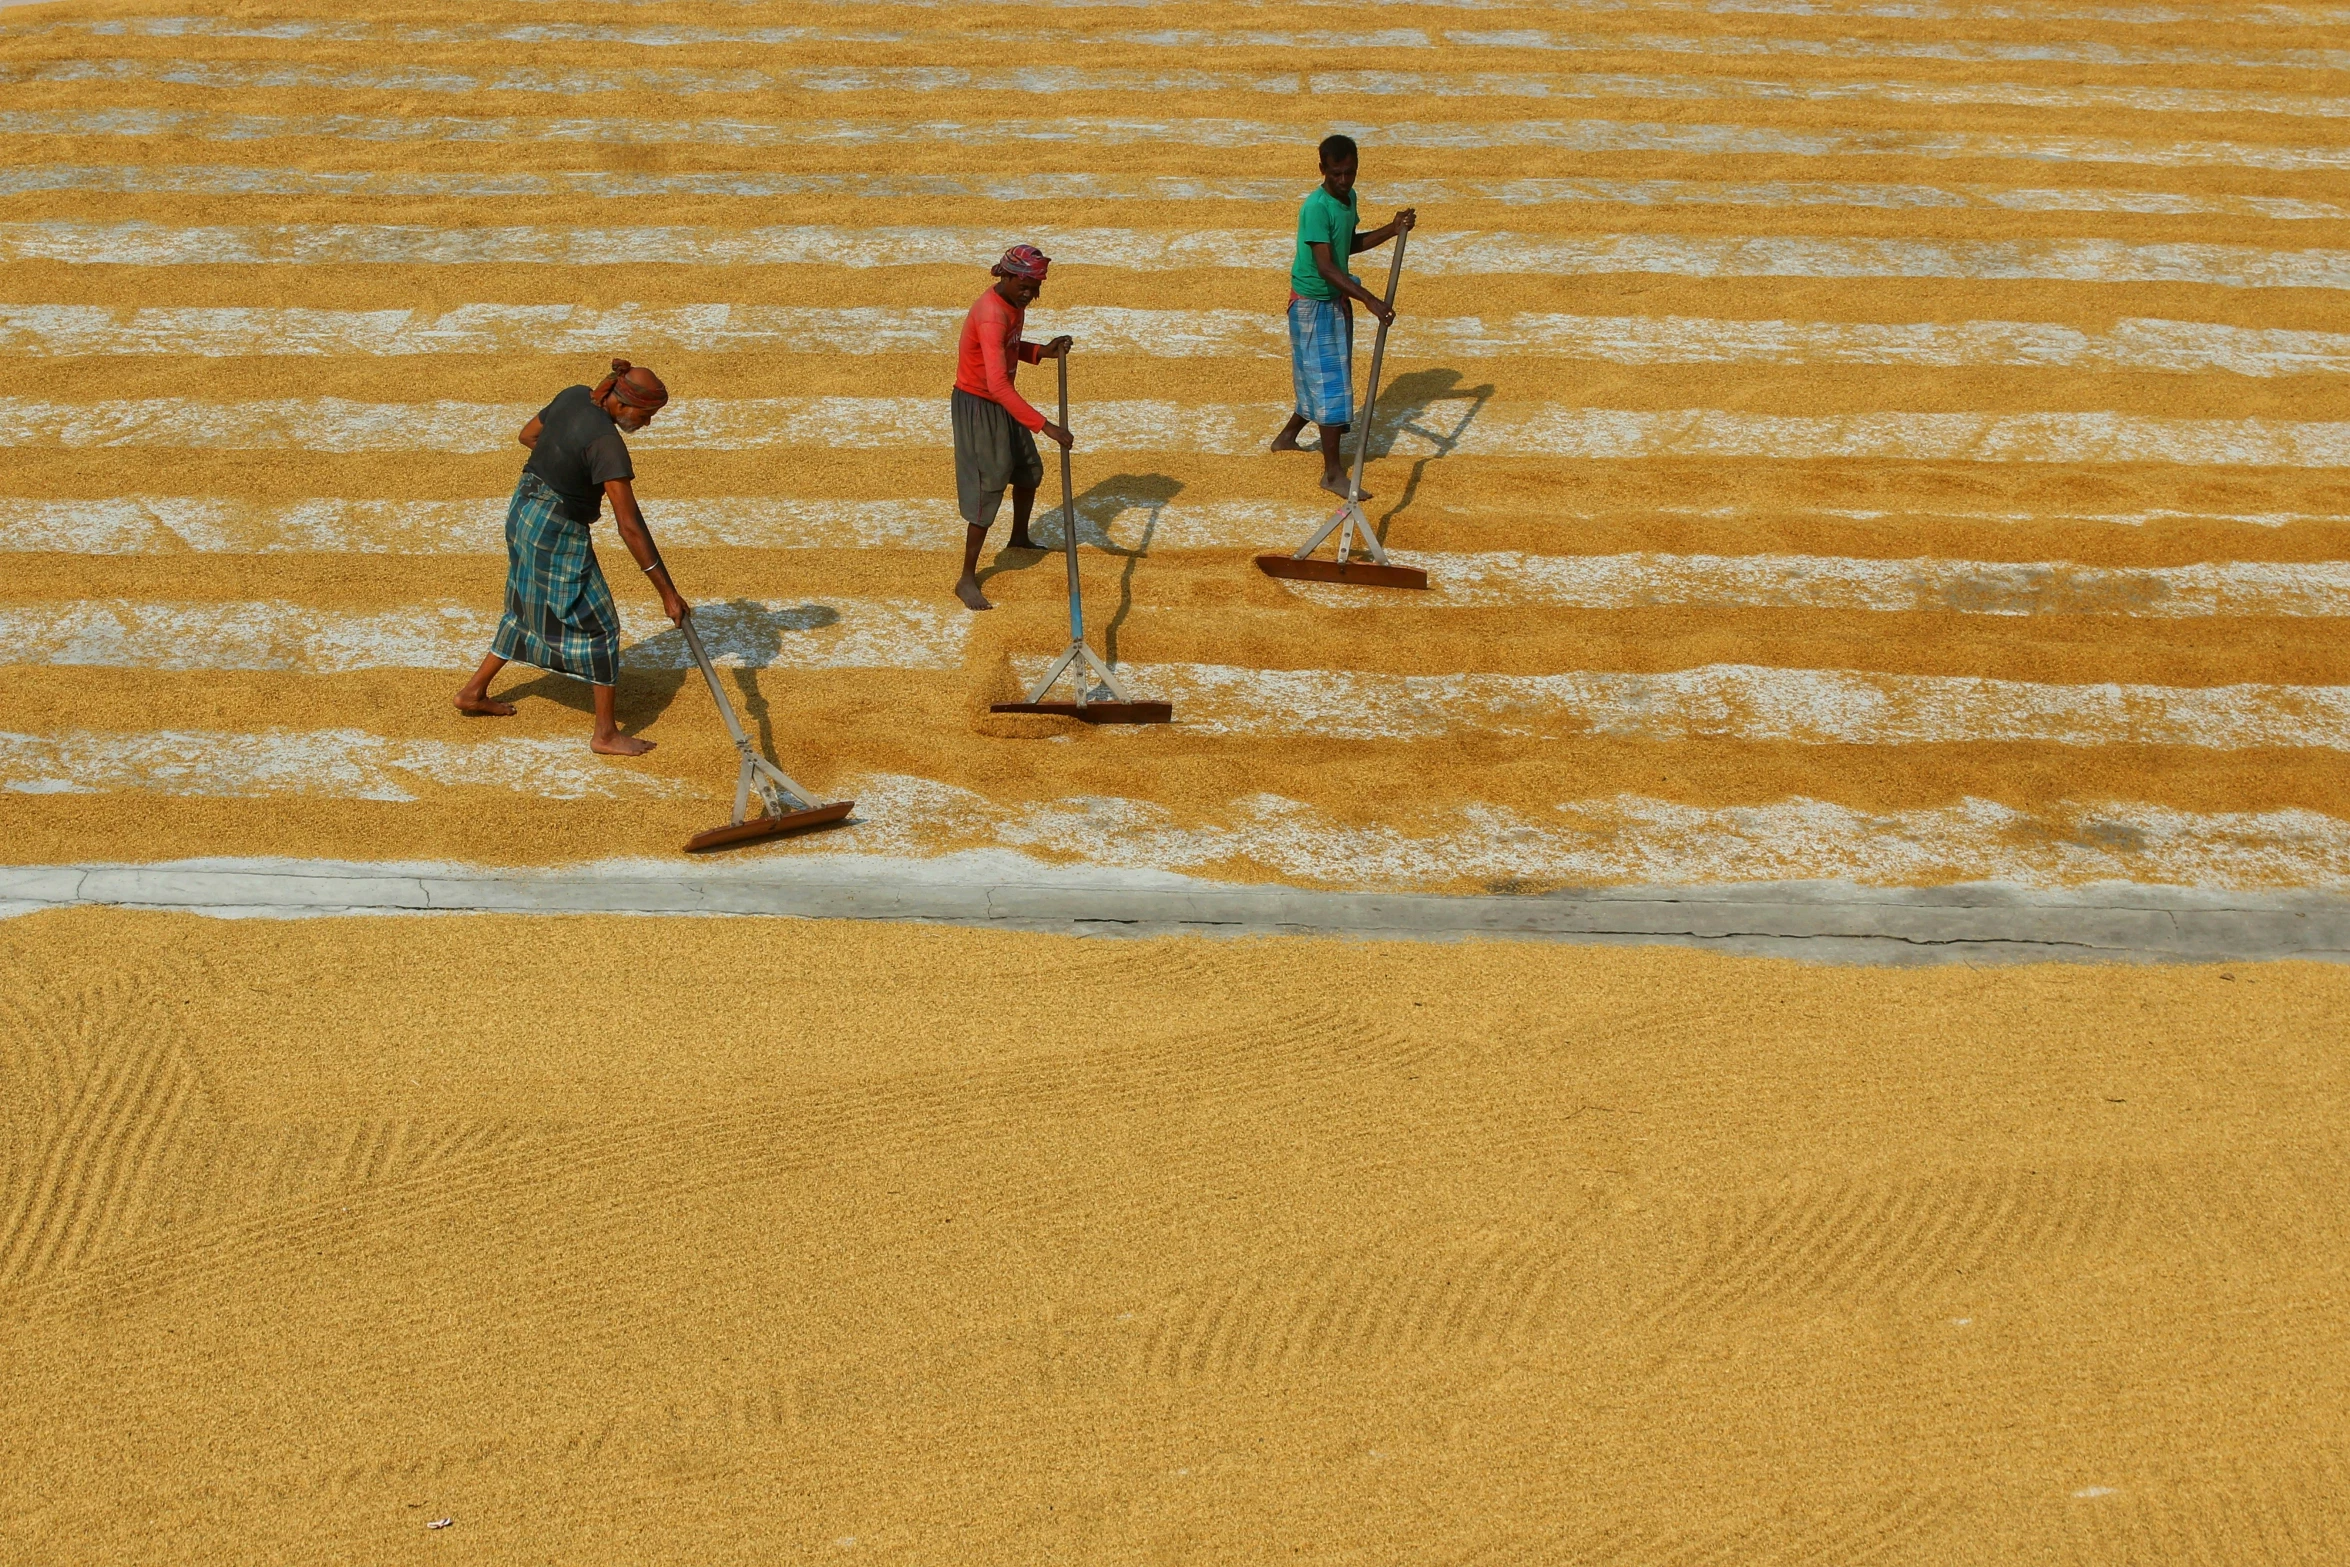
(1409, 403)
(1098, 507)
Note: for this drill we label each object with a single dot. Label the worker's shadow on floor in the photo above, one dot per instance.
(1415, 405)
(745, 632)
(1102, 517)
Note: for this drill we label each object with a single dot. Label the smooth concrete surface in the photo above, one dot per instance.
(1821, 921)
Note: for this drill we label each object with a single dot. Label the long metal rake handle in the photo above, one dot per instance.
(778, 790)
(1069, 515)
(1354, 485)
(693, 639)
(1078, 660)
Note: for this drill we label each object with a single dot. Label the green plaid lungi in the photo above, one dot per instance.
(559, 612)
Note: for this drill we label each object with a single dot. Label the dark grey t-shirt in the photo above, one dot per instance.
(579, 451)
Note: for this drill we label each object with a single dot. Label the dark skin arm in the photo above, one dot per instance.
(639, 540)
(1401, 223)
(633, 532)
(1335, 275)
(1020, 293)
(1058, 348)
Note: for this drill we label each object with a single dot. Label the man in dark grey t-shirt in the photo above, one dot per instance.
(579, 451)
(559, 612)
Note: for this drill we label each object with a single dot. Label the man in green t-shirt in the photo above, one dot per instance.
(1321, 307)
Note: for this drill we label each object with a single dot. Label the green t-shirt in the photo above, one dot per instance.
(1323, 220)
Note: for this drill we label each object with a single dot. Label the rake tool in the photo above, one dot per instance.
(1348, 519)
(786, 807)
(1078, 660)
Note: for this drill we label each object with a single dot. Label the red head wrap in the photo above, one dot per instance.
(1023, 261)
(633, 385)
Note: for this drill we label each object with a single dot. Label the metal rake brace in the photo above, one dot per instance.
(1349, 519)
(786, 807)
(1078, 660)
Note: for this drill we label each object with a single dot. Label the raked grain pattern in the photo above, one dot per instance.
(944, 1249)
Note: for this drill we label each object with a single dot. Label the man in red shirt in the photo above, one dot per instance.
(995, 439)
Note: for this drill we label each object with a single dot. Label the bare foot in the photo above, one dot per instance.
(968, 591)
(1021, 541)
(469, 702)
(1288, 443)
(1337, 487)
(618, 744)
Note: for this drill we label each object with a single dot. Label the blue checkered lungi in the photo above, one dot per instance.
(1321, 357)
(559, 612)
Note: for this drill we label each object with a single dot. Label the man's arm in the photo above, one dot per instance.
(1401, 223)
(639, 539)
(1038, 353)
(530, 433)
(1333, 275)
(1000, 387)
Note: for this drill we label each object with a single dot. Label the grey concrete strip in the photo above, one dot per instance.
(1823, 921)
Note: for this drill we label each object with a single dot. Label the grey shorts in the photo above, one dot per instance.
(991, 451)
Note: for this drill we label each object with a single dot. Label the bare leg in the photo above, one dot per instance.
(967, 589)
(608, 738)
(1286, 441)
(474, 695)
(1023, 502)
(1334, 463)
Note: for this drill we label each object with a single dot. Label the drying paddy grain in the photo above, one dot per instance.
(734, 1241)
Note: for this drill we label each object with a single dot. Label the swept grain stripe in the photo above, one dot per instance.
(136, 524)
(337, 763)
(1954, 50)
(224, 524)
(1685, 89)
(1582, 135)
(124, 633)
(921, 634)
(582, 81)
(2132, 344)
(2017, 261)
(2223, 588)
(1743, 702)
(1629, 838)
(140, 179)
(2168, 14)
(334, 424)
(1580, 841)
(1730, 45)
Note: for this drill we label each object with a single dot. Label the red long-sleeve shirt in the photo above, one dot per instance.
(987, 357)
